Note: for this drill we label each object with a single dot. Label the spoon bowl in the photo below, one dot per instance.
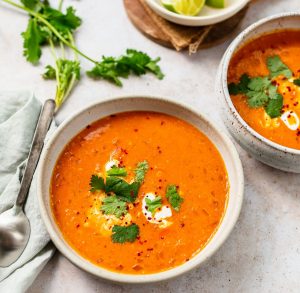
(14, 235)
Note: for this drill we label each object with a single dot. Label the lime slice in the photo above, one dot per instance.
(185, 7)
(215, 3)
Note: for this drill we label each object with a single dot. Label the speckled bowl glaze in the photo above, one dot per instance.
(207, 15)
(72, 126)
(264, 150)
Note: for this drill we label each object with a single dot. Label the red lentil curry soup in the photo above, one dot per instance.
(139, 192)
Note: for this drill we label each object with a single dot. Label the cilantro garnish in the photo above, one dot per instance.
(297, 82)
(277, 67)
(154, 204)
(133, 61)
(173, 197)
(97, 183)
(122, 189)
(140, 171)
(116, 171)
(123, 234)
(260, 91)
(112, 205)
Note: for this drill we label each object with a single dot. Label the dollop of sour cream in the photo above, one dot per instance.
(290, 119)
(160, 216)
(111, 163)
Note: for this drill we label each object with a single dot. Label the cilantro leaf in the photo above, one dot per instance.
(97, 183)
(112, 205)
(277, 67)
(31, 4)
(33, 38)
(133, 61)
(122, 189)
(173, 197)
(68, 72)
(50, 72)
(115, 171)
(297, 82)
(241, 87)
(257, 96)
(140, 171)
(274, 106)
(153, 204)
(123, 234)
(65, 24)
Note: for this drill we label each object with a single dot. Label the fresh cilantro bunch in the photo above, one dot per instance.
(133, 61)
(260, 91)
(50, 26)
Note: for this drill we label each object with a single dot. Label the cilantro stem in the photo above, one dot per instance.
(60, 5)
(52, 28)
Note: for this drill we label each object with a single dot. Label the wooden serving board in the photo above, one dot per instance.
(177, 36)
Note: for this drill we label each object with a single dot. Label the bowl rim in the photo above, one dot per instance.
(88, 266)
(227, 11)
(224, 69)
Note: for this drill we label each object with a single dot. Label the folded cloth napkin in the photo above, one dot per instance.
(19, 113)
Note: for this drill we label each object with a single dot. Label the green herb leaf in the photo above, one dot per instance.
(133, 61)
(122, 189)
(112, 205)
(50, 72)
(65, 24)
(68, 73)
(277, 67)
(241, 87)
(31, 4)
(257, 95)
(123, 234)
(274, 106)
(115, 171)
(297, 82)
(140, 171)
(97, 183)
(33, 38)
(173, 197)
(153, 204)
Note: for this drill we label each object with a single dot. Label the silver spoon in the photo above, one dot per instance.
(14, 225)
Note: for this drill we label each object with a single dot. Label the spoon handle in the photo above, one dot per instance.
(42, 127)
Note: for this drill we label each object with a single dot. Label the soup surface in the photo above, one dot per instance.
(269, 100)
(139, 192)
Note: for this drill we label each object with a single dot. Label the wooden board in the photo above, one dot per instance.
(177, 36)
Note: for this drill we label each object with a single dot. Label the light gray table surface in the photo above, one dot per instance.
(262, 253)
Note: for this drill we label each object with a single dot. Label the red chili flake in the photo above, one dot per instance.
(138, 237)
(77, 226)
(155, 192)
(149, 218)
(136, 130)
(289, 116)
(187, 259)
(289, 88)
(159, 187)
(160, 221)
(149, 249)
(77, 213)
(88, 127)
(162, 237)
(182, 225)
(296, 103)
(151, 168)
(113, 115)
(159, 151)
(159, 180)
(147, 117)
(135, 204)
(145, 241)
(146, 207)
(162, 122)
(139, 253)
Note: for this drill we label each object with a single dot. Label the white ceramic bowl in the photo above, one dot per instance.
(67, 130)
(264, 150)
(207, 15)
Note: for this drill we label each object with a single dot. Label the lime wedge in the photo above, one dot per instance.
(215, 3)
(185, 7)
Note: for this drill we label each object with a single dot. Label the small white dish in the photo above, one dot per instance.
(207, 15)
(263, 149)
(72, 126)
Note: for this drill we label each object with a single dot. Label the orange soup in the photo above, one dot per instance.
(264, 78)
(139, 192)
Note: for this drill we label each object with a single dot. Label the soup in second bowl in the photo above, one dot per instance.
(139, 192)
(264, 84)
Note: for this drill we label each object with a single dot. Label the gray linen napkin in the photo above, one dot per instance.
(19, 112)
